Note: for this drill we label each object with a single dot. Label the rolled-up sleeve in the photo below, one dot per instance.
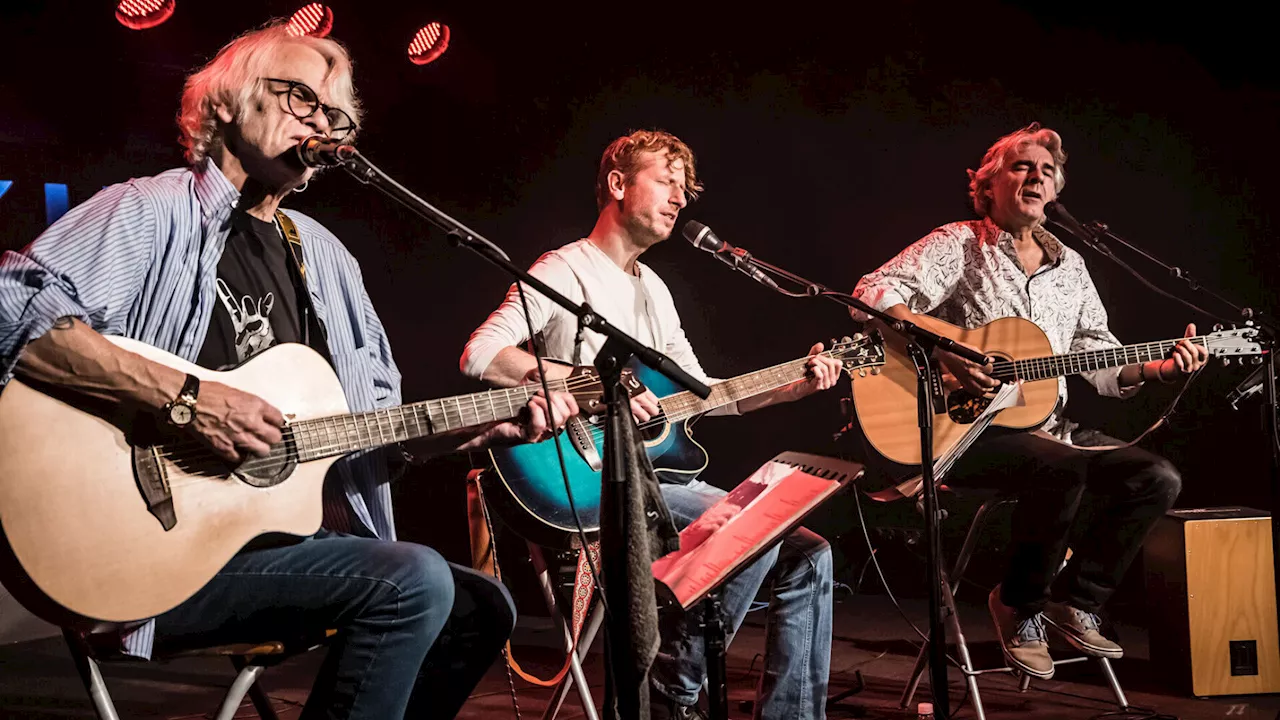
(921, 277)
(506, 327)
(89, 265)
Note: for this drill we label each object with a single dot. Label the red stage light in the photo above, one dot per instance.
(429, 43)
(143, 14)
(315, 19)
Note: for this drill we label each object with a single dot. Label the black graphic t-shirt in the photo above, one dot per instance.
(257, 304)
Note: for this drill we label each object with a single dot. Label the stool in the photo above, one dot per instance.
(249, 660)
(951, 585)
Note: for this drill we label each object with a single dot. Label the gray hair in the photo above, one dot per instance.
(234, 77)
(993, 161)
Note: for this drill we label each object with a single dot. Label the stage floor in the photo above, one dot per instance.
(37, 679)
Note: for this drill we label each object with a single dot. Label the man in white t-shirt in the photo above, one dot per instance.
(645, 179)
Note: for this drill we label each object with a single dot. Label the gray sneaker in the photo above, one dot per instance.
(1024, 643)
(1080, 628)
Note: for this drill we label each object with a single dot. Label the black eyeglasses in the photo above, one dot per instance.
(302, 103)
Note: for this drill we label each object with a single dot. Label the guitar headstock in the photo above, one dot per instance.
(589, 391)
(1236, 342)
(860, 353)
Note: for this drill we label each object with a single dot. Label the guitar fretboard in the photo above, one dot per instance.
(684, 405)
(1043, 368)
(341, 434)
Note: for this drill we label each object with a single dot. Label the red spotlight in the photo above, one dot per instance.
(315, 19)
(429, 43)
(143, 14)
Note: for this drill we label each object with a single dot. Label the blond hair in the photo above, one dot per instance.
(993, 162)
(234, 77)
(624, 154)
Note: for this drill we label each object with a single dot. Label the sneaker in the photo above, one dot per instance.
(662, 707)
(1080, 628)
(1025, 645)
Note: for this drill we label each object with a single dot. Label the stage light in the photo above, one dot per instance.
(315, 19)
(429, 43)
(143, 14)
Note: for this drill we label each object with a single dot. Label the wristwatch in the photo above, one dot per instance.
(182, 410)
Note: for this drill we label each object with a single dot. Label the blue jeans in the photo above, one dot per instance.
(415, 633)
(797, 652)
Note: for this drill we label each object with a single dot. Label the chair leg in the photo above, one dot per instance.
(257, 695)
(575, 666)
(235, 694)
(91, 676)
(909, 692)
(971, 539)
(576, 675)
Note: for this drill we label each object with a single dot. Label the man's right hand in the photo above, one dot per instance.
(960, 373)
(235, 423)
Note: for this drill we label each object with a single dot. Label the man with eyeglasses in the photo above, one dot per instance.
(200, 262)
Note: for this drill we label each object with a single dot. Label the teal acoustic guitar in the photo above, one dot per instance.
(527, 489)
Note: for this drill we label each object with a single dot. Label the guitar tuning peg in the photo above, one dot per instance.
(1226, 362)
(1256, 359)
(1218, 327)
(862, 372)
(857, 336)
(875, 371)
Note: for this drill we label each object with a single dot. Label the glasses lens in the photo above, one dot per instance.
(302, 101)
(340, 124)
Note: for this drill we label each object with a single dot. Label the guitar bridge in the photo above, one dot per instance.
(579, 431)
(153, 483)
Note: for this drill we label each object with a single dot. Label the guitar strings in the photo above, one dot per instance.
(195, 451)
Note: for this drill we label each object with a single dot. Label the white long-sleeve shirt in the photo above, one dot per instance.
(639, 305)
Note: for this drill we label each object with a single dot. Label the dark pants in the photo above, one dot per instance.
(415, 633)
(1103, 502)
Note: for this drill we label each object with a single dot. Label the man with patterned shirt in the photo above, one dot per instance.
(1007, 265)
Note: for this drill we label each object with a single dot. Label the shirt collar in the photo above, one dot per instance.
(993, 234)
(216, 194)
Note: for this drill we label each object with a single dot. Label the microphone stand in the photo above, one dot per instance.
(1095, 235)
(920, 346)
(617, 351)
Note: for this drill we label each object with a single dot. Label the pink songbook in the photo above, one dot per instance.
(755, 515)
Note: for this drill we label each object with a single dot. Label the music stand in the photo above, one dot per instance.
(777, 497)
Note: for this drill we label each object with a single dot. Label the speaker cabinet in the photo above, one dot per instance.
(1211, 591)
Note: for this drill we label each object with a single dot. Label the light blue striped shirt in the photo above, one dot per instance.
(140, 259)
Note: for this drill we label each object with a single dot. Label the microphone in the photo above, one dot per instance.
(318, 151)
(1059, 215)
(702, 238)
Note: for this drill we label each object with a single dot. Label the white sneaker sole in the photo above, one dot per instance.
(1079, 644)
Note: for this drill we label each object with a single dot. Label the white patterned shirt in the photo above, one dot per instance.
(968, 274)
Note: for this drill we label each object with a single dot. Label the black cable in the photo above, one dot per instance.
(555, 437)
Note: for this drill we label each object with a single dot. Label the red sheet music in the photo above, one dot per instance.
(760, 511)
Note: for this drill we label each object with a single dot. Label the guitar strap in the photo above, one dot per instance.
(484, 558)
(313, 333)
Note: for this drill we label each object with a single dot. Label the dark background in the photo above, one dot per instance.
(827, 142)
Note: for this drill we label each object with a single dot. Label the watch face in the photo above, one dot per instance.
(180, 414)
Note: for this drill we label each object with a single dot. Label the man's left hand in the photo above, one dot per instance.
(821, 373)
(1187, 357)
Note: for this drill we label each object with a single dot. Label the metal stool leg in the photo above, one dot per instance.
(257, 695)
(962, 647)
(235, 694)
(575, 666)
(91, 676)
(1107, 670)
(584, 646)
(909, 692)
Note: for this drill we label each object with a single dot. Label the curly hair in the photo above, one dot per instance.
(234, 77)
(993, 162)
(624, 154)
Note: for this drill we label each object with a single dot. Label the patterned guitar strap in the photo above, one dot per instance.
(484, 558)
(295, 243)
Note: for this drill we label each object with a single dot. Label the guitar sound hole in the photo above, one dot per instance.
(271, 470)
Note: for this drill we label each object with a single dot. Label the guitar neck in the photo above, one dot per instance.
(1052, 366)
(341, 434)
(684, 405)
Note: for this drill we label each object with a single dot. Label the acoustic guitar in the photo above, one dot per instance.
(105, 517)
(886, 403)
(527, 488)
